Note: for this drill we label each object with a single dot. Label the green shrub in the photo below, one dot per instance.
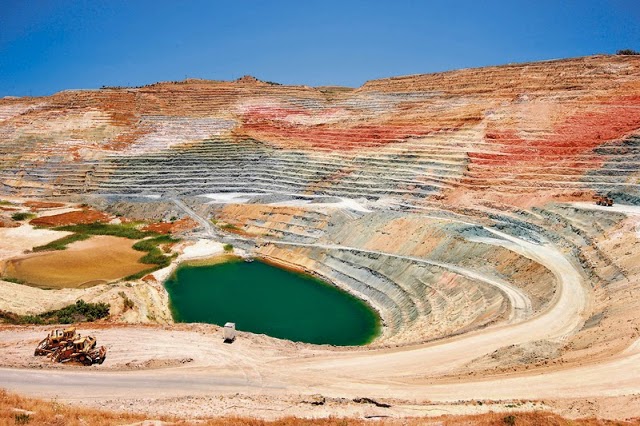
(509, 420)
(14, 280)
(98, 228)
(228, 226)
(31, 319)
(61, 243)
(140, 274)
(127, 303)
(154, 255)
(151, 243)
(80, 311)
(627, 52)
(228, 248)
(22, 418)
(22, 216)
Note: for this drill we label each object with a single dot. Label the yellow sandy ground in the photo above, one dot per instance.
(84, 263)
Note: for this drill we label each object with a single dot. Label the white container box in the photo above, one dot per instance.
(229, 332)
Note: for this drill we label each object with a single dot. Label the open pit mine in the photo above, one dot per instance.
(488, 220)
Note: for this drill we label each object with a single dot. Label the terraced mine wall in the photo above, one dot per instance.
(501, 133)
(398, 191)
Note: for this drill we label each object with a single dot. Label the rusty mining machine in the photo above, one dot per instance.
(82, 350)
(68, 346)
(54, 340)
(602, 200)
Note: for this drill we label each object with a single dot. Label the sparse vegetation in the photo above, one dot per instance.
(84, 231)
(127, 303)
(14, 280)
(154, 255)
(98, 228)
(80, 311)
(22, 216)
(151, 243)
(140, 274)
(627, 52)
(229, 226)
(22, 418)
(228, 248)
(75, 415)
(61, 243)
(509, 420)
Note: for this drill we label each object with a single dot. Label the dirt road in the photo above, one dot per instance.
(259, 365)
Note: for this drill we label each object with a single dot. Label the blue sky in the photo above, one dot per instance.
(47, 46)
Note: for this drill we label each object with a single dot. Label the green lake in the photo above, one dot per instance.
(261, 298)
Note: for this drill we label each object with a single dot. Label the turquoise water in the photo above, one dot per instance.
(265, 299)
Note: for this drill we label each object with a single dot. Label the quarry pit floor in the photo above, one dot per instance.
(156, 368)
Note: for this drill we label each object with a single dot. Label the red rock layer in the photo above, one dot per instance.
(526, 128)
(72, 218)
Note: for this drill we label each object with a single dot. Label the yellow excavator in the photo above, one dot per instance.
(82, 350)
(54, 340)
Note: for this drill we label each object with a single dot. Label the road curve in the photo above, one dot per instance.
(397, 372)
(518, 299)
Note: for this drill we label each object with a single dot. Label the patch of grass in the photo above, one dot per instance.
(228, 248)
(6, 203)
(61, 243)
(140, 274)
(98, 228)
(154, 255)
(22, 216)
(14, 280)
(151, 243)
(229, 226)
(80, 311)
